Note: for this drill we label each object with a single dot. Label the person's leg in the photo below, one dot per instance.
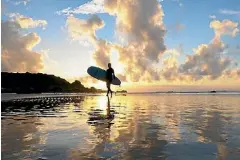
(108, 87)
(110, 80)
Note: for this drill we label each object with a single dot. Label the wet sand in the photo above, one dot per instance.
(161, 126)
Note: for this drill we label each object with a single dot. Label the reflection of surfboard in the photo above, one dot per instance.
(100, 74)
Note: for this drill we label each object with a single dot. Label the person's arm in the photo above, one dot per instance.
(113, 74)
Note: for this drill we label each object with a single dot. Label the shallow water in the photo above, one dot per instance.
(163, 126)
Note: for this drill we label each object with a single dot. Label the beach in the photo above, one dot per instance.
(136, 126)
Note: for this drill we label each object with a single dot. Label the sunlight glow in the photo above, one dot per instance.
(114, 58)
(102, 103)
(98, 85)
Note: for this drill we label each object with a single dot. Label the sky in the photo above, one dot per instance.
(153, 45)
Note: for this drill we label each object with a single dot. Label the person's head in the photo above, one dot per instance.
(109, 65)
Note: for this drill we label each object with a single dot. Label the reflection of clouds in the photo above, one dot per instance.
(43, 139)
(208, 124)
(69, 119)
(172, 122)
(131, 131)
(28, 137)
(158, 126)
(17, 136)
(222, 150)
(168, 115)
(212, 121)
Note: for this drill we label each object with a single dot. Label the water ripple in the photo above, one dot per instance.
(124, 127)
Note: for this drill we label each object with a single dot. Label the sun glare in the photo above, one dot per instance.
(102, 103)
(100, 85)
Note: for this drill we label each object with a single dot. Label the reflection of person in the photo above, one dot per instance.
(108, 108)
(110, 77)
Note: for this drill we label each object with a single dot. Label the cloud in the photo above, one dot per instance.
(144, 27)
(23, 2)
(170, 70)
(212, 17)
(102, 53)
(170, 65)
(27, 22)
(145, 33)
(226, 27)
(17, 54)
(17, 2)
(229, 12)
(87, 79)
(208, 59)
(179, 3)
(50, 65)
(232, 73)
(85, 30)
(91, 7)
(81, 29)
(122, 77)
(142, 51)
(136, 66)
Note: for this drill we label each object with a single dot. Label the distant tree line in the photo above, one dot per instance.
(40, 83)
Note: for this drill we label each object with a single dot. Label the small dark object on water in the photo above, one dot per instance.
(213, 92)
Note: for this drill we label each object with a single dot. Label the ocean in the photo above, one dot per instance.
(132, 126)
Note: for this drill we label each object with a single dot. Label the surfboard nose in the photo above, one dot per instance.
(88, 70)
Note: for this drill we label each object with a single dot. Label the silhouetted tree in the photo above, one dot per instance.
(38, 83)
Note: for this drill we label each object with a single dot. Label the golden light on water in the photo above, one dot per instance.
(102, 103)
(141, 121)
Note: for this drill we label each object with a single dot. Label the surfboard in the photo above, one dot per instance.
(100, 74)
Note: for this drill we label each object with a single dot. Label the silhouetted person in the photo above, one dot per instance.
(110, 76)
